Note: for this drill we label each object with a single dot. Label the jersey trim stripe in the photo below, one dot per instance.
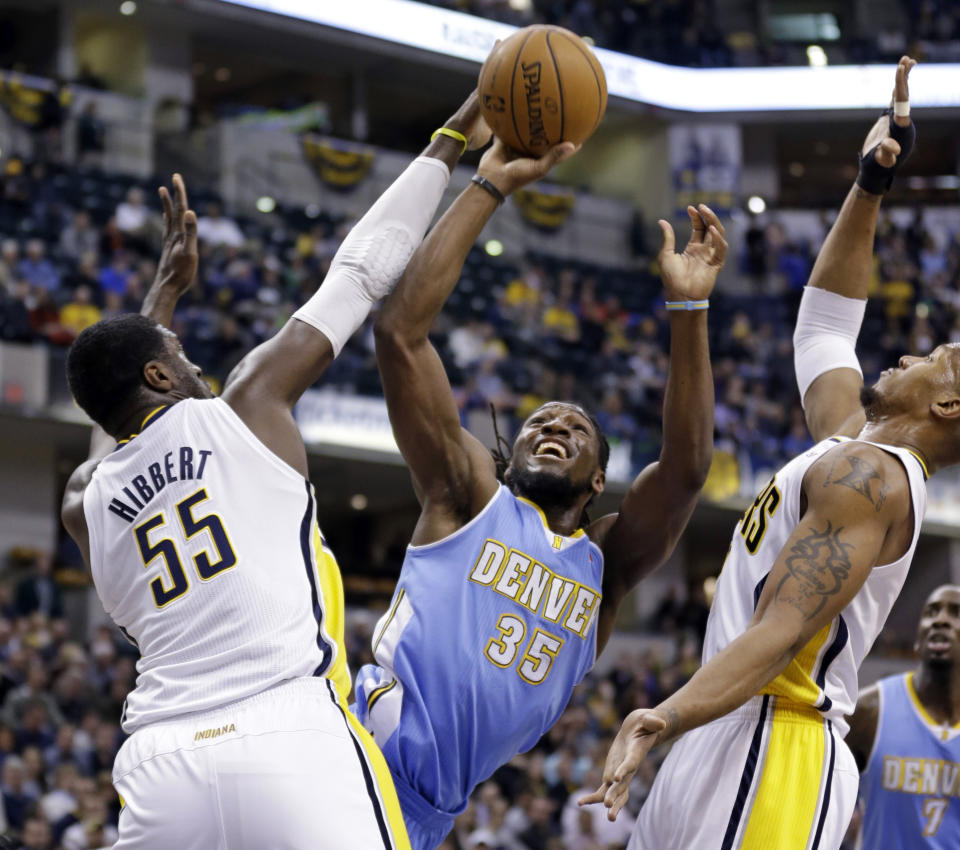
(383, 775)
(386, 625)
(923, 466)
(376, 693)
(149, 419)
(305, 533)
(784, 807)
(543, 518)
(330, 590)
(827, 787)
(746, 779)
(835, 648)
(758, 590)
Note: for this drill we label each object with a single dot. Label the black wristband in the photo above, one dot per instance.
(485, 184)
(873, 177)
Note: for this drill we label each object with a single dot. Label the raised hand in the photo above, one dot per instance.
(691, 276)
(879, 137)
(509, 171)
(639, 733)
(179, 257)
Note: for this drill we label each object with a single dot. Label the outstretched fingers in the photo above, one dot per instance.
(901, 91)
(556, 154)
(617, 798)
(717, 245)
(167, 206)
(699, 230)
(190, 229)
(711, 218)
(180, 205)
(594, 796)
(668, 242)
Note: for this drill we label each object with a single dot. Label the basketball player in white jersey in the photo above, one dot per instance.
(201, 534)
(905, 736)
(813, 570)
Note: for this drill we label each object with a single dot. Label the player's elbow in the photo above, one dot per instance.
(780, 641)
(689, 474)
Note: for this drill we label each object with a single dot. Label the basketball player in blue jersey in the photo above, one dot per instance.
(812, 572)
(905, 736)
(201, 534)
(507, 592)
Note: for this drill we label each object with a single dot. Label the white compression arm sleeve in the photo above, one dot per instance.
(374, 255)
(826, 335)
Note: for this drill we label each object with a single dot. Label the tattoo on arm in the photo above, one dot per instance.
(817, 568)
(861, 476)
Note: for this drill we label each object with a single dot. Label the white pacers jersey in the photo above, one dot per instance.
(205, 550)
(823, 675)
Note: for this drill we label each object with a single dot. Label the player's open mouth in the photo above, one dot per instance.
(938, 644)
(548, 447)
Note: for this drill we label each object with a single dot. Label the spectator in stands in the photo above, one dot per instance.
(60, 800)
(139, 225)
(91, 137)
(79, 237)
(39, 591)
(36, 835)
(17, 803)
(215, 229)
(36, 269)
(14, 318)
(9, 264)
(115, 277)
(81, 312)
(45, 319)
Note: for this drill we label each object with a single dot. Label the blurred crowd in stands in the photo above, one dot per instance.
(79, 245)
(688, 32)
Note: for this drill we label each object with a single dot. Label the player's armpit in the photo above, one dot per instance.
(71, 508)
(640, 538)
(281, 369)
(832, 405)
(863, 726)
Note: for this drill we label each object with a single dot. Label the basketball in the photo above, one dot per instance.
(540, 87)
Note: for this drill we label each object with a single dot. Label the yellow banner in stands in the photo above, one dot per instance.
(339, 165)
(28, 104)
(546, 210)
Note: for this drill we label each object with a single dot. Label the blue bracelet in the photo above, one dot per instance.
(687, 305)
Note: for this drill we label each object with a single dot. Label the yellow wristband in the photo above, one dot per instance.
(453, 134)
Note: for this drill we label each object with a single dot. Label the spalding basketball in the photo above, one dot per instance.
(540, 87)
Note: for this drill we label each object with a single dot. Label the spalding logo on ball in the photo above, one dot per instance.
(540, 87)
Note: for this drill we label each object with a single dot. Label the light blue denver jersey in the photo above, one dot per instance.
(488, 633)
(911, 786)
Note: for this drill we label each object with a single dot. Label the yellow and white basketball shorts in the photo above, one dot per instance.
(765, 777)
(288, 769)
